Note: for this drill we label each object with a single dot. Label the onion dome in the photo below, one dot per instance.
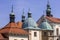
(45, 25)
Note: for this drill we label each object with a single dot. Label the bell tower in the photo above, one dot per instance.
(23, 17)
(48, 10)
(12, 16)
(29, 14)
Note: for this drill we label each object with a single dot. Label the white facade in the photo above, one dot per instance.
(55, 26)
(55, 31)
(32, 37)
(18, 38)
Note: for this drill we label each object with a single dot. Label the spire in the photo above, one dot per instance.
(29, 10)
(23, 12)
(12, 9)
(29, 13)
(12, 13)
(48, 10)
(23, 16)
(48, 5)
(12, 16)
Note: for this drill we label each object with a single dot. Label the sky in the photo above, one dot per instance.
(37, 8)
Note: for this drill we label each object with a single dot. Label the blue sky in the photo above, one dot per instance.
(37, 8)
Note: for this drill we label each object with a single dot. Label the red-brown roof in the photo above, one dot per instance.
(19, 24)
(12, 24)
(14, 31)
(13, 28)
(53, 19)
(1, 37)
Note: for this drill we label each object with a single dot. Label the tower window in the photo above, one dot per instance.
(57, 30)
(35, 34)
(51, 33)
(15, 39)
(22, 39)
(45, 33)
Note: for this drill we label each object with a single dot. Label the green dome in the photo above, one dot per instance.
(30, 24)
(45, 26)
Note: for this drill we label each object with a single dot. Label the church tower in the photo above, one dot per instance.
(31, 26)
(29, 14)
(48, 10)
(23, 17)
(12, 16)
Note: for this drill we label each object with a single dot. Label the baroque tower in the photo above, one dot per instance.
(12, 16)
(48, 10)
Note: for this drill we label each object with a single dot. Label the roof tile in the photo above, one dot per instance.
(52, 19)
(13, 28)
(19, 24)
(1, 37)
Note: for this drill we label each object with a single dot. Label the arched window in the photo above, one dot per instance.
(35, 34)
(57, 31)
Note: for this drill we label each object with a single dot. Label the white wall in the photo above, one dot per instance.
(55, 32)
(31, 37)
(17, 37)
(55, 27)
